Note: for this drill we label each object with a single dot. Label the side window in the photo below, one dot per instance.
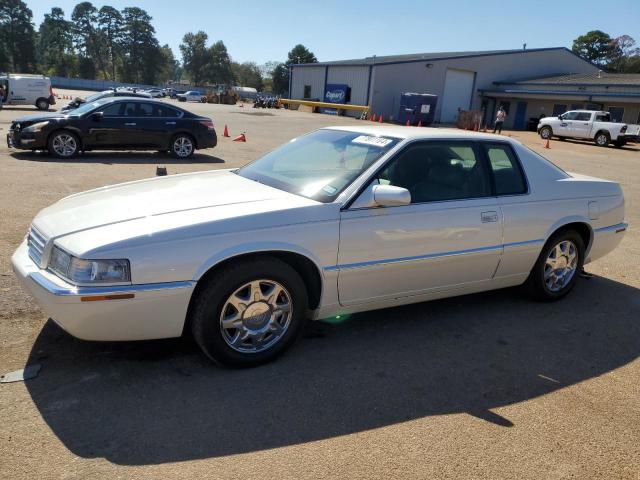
(112, 110)
(145, 110)
(507, 175)
(162, 111)
(129, 110)
(583, 116)
(570, 116)
(438, 171)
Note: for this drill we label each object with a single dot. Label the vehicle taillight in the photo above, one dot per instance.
(207, 123)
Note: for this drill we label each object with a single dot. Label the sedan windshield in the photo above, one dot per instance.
(319, 165)
(96, 96)
(87, 107)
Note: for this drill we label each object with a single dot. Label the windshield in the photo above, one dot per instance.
(95, 96)
(319, 165)
(87, 107)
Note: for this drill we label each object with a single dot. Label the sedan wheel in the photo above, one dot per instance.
(249, 312)
(182, 146)
(63, 145)
(554, 274)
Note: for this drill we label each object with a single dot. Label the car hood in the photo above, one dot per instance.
(38, 117)
(157, 196)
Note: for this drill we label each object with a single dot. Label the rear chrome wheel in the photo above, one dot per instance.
(256, 316)
(182, 146)
(63, 144)
(554, 274)
(602, 139)
(561, 265)
(546, 133)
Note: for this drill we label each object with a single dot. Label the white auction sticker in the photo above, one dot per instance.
(373, 141)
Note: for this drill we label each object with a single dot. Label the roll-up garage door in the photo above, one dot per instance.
(458, 88)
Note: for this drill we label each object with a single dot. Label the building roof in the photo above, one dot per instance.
(419, 57)
(581, 79)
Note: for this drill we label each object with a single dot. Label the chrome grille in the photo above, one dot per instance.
(36, 243)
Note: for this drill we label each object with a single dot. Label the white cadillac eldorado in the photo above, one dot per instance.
(341, 220)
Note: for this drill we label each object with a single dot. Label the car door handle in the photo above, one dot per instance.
(487, 217)
(169, 123)
(130, 124)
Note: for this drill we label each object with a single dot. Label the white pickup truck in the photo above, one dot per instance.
(586, 124)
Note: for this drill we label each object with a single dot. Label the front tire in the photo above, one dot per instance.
(546, 133)
(556, 270)
(182, 146)
(63, 144)
(249, 313)
(602, 139)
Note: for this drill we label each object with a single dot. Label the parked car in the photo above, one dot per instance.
(585, 124)
(106, 94)
(342, 220)
(119, 123)
(191, 96)
(156, 92)
(25, 89)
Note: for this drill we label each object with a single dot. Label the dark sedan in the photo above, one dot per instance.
(114, 124)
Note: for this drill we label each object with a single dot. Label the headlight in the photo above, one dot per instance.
(78, 270)
(36, 127)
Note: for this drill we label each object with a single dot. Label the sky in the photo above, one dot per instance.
(335, 30)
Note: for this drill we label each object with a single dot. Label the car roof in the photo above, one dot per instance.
(420, 133)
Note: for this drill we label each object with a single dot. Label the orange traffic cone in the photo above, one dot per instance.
(408, 123)
(546, 145)
(240, 138)
(380, 119)
(373, 119)
(226, 131)
(419, 123)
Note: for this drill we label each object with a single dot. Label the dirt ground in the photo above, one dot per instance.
(482, 386)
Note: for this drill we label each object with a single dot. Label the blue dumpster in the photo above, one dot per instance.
(417, 107)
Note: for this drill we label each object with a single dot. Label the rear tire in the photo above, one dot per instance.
(556, 270)
(182, 146)
(546, 133)
(42, 104)
(602, 139)
(63, 144)
(249, 313)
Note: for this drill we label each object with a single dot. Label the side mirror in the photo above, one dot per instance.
(390, 196)
(559, 117)
(96, 116)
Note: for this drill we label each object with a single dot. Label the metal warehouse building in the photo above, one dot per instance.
(461, 80)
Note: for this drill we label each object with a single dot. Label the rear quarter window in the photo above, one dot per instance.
(507, 172)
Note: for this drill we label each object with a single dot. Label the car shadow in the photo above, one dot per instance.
(142, 403)
(634, 147)
(111, 158)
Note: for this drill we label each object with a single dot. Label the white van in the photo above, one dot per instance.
(25, 89)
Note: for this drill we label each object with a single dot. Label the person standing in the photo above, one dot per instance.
(500, 117)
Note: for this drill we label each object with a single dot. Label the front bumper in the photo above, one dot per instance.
(151, 311)
(25, 141)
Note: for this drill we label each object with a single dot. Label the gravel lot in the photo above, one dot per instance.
(482, 386)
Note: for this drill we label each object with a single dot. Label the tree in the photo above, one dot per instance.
(625, 56)
(219, 71)
(55, 45)
(110, 22)
(247, 74)
(594, 46)
(195, 56)
(300, 54)
(280, 79)
(170, 67)
(17, 37)
(88, 40)
(141, 50)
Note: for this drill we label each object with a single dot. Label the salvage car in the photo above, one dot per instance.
(587, 125)
(118, 123)
(341, 220)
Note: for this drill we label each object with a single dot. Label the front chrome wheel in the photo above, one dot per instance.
(183, 147)
(256, 316)
(64, 145)
(560, 266)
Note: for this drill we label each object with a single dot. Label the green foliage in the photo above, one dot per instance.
(205, 64)
(300, 54)
(595, 46)
(17, 37)
(618, 54)
(280, 73)
(248, 74)
(55, 45)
